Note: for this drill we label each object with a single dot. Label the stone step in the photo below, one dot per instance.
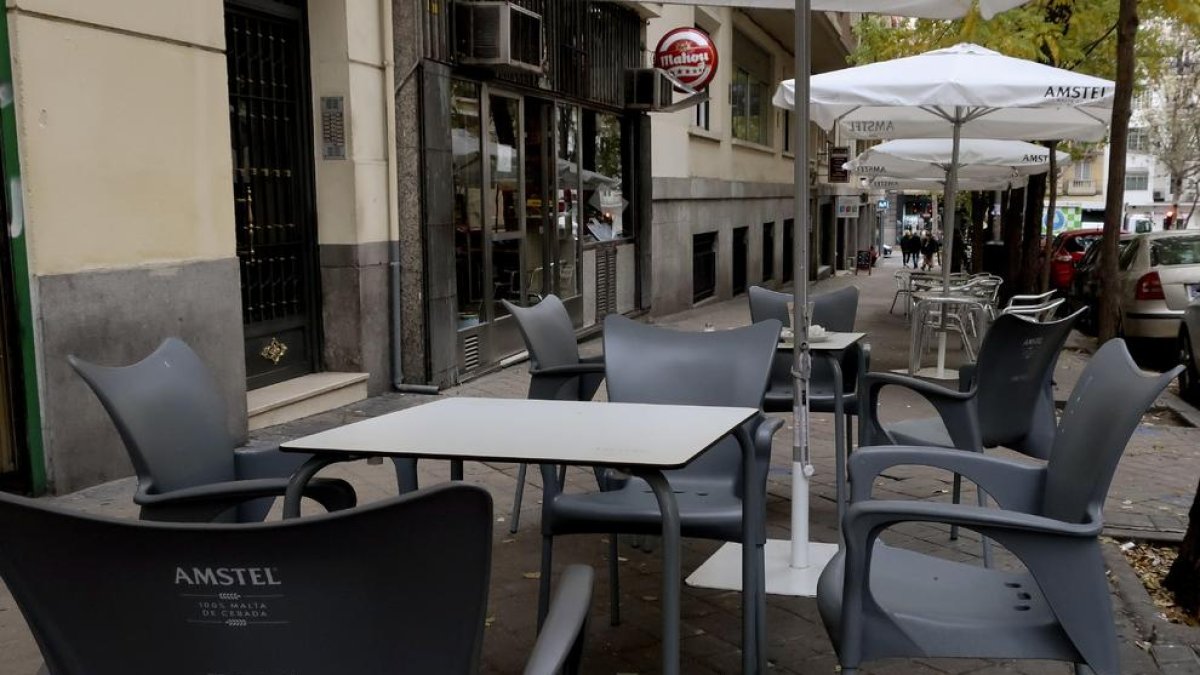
(303, 396)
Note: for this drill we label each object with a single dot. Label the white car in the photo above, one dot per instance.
(1161, 276)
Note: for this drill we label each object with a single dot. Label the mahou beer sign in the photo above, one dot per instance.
(689, 55)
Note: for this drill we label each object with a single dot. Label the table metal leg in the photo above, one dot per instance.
(754, 594)
(672, 560)
(300, 479)
(839, 435)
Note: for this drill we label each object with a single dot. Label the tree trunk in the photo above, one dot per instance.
(1114, 205)
(1014, 206)
(1031, 254)
(1176, 188)
(1184, 578)
(1052, 178)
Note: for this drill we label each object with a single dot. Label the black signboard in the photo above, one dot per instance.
(837, 160)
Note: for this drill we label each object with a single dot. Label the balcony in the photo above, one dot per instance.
(1084, 187)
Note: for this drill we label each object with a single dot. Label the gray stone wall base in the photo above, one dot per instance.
(684, 207)
(117, 317)
(355, 311)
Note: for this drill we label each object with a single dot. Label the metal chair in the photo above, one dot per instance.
(903, 288)
(1005, 399)
(647, 364)
(399, 585)
(172, 419)
(835, 311)
(556, 370)
(882, 602)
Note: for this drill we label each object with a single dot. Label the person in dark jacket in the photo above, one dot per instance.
(929, 248)
(906, 246)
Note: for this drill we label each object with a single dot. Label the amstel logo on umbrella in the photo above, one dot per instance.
(689, 55)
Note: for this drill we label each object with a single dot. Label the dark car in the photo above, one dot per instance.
(1085, 282)
(1068, 249)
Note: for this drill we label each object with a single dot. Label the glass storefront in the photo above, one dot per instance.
(548, 201)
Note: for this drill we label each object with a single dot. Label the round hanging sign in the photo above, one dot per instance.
(689, 55)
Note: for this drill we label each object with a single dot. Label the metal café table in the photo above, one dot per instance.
(641, 439)
(793, 567)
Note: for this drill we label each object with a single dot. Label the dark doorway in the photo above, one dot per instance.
(704, 266)
(789, 249)
(271, 128)
(14, 456)
(768, 252)
(741, 249)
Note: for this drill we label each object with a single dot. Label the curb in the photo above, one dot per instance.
(1172, 646)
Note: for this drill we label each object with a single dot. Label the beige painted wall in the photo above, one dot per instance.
(683, 150)
(348, 61)
(124, 136)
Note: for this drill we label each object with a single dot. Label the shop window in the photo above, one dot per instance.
(569, 138)
(741, 254)
(704, 266)
(750, 94)
(603, 181)
(469, 261)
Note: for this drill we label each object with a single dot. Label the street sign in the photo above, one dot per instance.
(883, 204)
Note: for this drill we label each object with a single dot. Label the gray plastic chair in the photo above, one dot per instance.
(1005, 399)
(172, 419)
(399, 585)
(647, 364)
(881, 602)
(835, 311)
(556, 370)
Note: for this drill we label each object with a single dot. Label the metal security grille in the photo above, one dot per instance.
(587, 48)
(606, 281)
(271, 130)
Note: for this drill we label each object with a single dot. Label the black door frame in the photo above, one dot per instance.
(258, 348)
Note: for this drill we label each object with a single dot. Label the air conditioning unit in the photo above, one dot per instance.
(1158, 196)
(648, 89)
(500, 35)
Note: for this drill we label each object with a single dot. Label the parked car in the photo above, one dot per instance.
(1085, 283)
(1189, 347)
(1068, 249)
(1160, 276)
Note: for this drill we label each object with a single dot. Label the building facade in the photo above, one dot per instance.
(723, 170)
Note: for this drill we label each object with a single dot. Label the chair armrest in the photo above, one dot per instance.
(956, 409)
(765, 432)
(1016, 486)
(872, 516)
(559, 647)
(266, 460)
(203, 503)
(966, 376)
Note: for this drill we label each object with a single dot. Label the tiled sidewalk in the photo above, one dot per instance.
(1152, 492)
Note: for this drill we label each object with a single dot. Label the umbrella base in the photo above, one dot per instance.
(723, 571)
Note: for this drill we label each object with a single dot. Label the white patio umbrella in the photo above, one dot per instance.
(930, 158)
(793, 567)
(961, 91)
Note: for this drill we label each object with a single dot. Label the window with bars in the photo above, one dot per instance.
(750, 93)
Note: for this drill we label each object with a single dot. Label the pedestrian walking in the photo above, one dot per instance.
(906, 246)
(930, 247)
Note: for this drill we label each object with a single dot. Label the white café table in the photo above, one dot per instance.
(793, 567)
(641, 439)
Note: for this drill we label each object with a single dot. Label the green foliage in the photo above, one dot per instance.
(1074, 34)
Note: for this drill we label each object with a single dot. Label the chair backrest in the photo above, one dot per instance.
(1015, 364)
(835, 311)
(648, 364)
(1104, 410)
(170, 414)
(396, 586)
(549, 335)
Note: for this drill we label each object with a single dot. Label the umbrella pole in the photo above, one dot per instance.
(802, 467)
(949, 215)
